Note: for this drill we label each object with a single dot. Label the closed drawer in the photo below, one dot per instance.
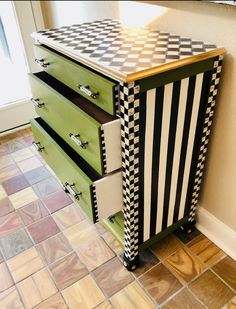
(96, 88)
(95, 135)
(93, 193)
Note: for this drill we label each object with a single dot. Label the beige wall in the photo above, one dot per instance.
(203, 21)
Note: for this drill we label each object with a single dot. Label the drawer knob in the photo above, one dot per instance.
(69, 189)
(41, 62)
(38, 146)
(75, 138)
(37, 103)
(88, 92)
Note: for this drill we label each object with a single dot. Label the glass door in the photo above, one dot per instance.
(13, 63)
(18, 19)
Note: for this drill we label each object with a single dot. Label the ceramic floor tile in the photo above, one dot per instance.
(105, 305)
(57, 201)
(54, 248)
(28, 139)
(5, 207)
(1, 257)
(46, 187)
(211, 290)
(29, 164)
(67, 270)
(160, 283)
(226, 269)
(184, 265)
(10, 299)
(54, 302)
(146, 261)
(43, 229)
(205, 249)
(84, 294)
(186, 238)
(231, 304)
(25, 264)
(95, 253)
(9, 224)
(166, 246)
(5, 278)
(6, 161)
(16, 145)
(9, 172)
(37, 174)
(132, 297)
(15, 243)
(3, 193)
(33, 212)
(112, 242)
(112, 276)
(3, 150)
(184, 300)
(15, 184)
(81, 233)
(22, 154)
(68, 216)
(23, 197)
(36, 288)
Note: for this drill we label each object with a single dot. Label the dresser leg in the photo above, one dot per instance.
(188, 227)
(131, 265)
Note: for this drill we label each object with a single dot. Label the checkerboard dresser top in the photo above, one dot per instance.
(123, 52)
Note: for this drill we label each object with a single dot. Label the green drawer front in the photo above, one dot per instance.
(64, 117)
(63, 166)
(73, 74)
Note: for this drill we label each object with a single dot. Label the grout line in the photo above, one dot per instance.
(222, 280)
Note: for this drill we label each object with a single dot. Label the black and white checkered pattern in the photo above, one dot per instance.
(117, 99)
(205, 135)
(129, 109)
(121, 48)
(95, 204)
(104, 161)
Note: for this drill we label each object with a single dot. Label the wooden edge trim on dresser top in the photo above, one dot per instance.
(106, 70)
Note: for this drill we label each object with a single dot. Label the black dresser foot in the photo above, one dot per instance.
(131, 265)
(188, 227)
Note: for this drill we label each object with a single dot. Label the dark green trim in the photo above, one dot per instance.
(176, 74)
(163, 233)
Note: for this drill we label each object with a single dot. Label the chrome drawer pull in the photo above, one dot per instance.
(38, 146)
(68, 188)
(88, 92)
(75, 138)
(37, 103)
(41, 62)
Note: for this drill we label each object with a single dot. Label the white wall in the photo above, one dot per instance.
(203, 21)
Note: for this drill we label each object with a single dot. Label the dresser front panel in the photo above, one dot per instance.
(92, 192)
(96, 141)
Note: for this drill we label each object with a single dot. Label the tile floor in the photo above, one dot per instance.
(51, 256)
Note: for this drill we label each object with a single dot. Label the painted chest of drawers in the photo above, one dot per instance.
(125, 117)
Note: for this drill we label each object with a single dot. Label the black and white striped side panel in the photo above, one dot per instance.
(170, 119)
(205, 135)
(129, 109)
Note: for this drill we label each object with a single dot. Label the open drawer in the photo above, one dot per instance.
(91, 132)
(99, 197)
(97, 88)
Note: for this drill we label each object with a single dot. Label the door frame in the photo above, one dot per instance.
(29, 18)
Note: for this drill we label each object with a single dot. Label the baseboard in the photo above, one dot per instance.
(217, 231)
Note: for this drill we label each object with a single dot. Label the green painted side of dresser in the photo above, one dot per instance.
(64, 117)
(63, 166)
(72, 74)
